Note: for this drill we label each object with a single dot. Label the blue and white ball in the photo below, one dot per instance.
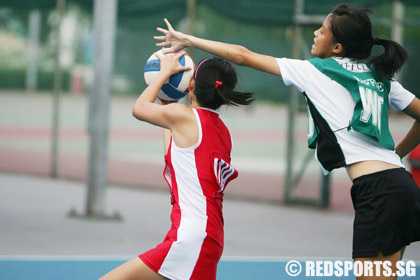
(176, 86)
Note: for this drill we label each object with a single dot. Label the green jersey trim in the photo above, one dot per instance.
(370, 93)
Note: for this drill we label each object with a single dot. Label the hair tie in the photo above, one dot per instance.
(376, 41)
(218, 83)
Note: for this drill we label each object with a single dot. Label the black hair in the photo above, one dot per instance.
(215, 81)
(351, 27)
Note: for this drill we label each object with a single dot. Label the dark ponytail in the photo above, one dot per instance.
(391, 60)
(351, 27)
(215, 81)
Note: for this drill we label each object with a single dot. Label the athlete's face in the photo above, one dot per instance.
(324, 44)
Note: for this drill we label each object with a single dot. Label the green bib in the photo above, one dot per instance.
(370, 92)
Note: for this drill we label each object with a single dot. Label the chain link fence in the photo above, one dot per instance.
(28, 38)
(45, 48)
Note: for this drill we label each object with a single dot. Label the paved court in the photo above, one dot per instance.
(34, 219)
(39, 240)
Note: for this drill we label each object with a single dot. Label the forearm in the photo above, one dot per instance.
(234, 53)
(410, 141)
(149, 95)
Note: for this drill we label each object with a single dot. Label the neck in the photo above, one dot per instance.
(195, 104)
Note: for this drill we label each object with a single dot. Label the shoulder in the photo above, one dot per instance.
(178, 108)
(291, 62)
(295, 71)
(177, 112)
(289, 66)
(399, 97)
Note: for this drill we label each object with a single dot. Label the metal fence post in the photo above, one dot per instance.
(56, 92)
(397, 31)
(33, 50)
(105, 13)
(293, 107)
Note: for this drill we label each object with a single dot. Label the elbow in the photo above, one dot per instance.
(137, 112)
(239, 55)
(133, 112)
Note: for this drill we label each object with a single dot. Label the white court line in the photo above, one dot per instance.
(126, 258)
(64, 258)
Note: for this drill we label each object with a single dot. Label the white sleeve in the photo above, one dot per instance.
(295, 72)
(399, 97)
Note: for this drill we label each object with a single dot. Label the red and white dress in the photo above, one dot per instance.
(197, 177)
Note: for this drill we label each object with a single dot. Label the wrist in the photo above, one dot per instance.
(189, 41)
(163, 76)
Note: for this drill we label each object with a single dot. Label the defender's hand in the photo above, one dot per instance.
(173, 41)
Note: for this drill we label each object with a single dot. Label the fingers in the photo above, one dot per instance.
(157, 54)
(164, 31)
(160, 38)
(163, 44)
(179, 55)
(167, 50)
(168, 39)
(185, 68)
(168, 24)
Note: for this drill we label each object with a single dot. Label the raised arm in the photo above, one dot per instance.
(174, 41)
(412, 139)
(146, 109)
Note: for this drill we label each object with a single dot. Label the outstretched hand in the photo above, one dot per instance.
(173, 41)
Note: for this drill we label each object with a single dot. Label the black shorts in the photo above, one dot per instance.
(387, 218)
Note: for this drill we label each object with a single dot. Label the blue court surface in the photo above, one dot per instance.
(65, 268)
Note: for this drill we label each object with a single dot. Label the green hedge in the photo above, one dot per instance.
(16, 79)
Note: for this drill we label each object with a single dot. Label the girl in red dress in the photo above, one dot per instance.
(197, 156)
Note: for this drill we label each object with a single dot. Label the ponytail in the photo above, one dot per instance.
(391, 60)
(229, 96)
(215, 81)
(351, 27)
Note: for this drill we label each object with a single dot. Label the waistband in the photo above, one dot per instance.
(373, 176)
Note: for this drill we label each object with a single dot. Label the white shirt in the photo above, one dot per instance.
(336, 104)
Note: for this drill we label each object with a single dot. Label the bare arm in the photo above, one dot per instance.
(412, 139)
(237, 54)
(166, 140)
(165, 116)
(178, 118)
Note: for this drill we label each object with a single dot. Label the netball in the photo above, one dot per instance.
(177, 85)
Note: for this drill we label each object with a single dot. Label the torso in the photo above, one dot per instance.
(194, 244)
(358, 169)
(362, 154)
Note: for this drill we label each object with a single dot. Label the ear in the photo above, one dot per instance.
(191, 84)
(338, 48)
